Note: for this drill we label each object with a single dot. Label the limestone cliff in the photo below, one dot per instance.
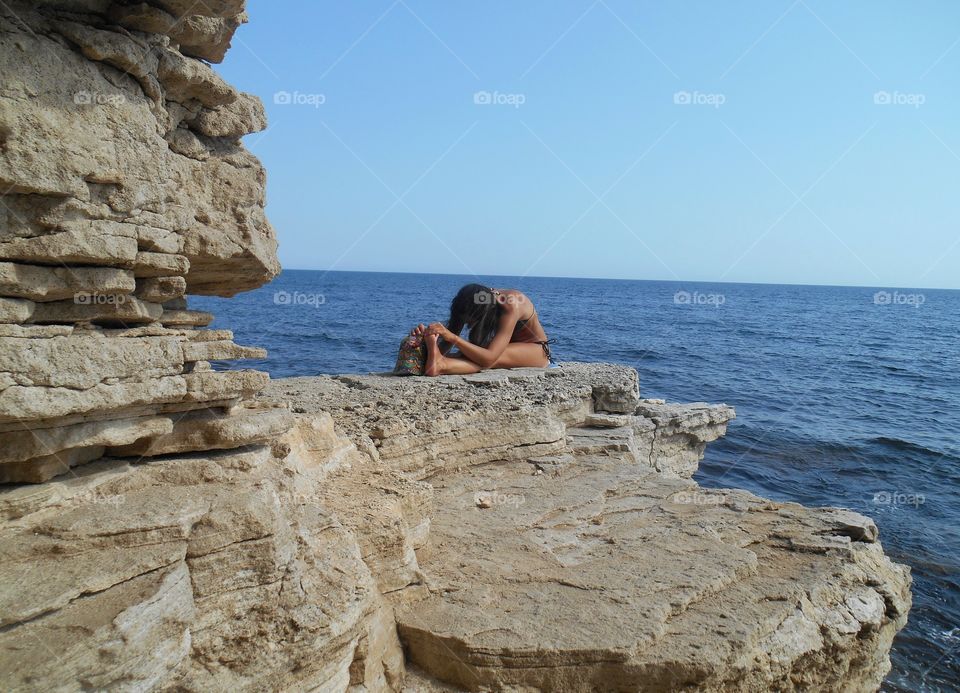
(124, 187)
(166, 527)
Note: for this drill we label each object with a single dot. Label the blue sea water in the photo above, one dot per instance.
(844, 396)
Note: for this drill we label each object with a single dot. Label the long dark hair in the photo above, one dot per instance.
(476, 306)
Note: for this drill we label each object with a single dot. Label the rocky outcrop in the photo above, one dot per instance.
(155, 539)
(157, 534)
(119, 150)
(538, 530)
(124, 187)
(496, 532)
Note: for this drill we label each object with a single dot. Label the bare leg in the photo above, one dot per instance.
(516, 355)
(438, 364)
(522, 355)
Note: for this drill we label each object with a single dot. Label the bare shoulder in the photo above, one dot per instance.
(514, 301)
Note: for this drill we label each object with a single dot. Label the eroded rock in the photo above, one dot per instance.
(191, 572)
(88, 115)
(599, 565)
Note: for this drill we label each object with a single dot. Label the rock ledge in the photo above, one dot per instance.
(538, 530)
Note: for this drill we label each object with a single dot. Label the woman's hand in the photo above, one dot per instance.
(439, 329)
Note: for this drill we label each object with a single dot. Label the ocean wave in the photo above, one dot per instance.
(895, 369)
(902, 445)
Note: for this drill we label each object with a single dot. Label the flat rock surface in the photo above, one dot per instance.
(420, 425)
(601, 575)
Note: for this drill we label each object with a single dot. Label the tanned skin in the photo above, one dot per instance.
(506, 349)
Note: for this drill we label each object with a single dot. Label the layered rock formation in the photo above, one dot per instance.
(538, 530)
(513, 530)
(130, 561)
(165, 528)
(124, 187)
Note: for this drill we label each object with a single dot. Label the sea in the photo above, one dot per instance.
(845, 396)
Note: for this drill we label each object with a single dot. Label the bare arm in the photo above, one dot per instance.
(484, 357)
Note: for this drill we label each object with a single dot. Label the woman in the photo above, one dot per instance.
(505, 332)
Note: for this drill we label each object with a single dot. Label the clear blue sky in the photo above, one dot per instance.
(820, 144)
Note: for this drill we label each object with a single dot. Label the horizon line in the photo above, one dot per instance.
(623, 279)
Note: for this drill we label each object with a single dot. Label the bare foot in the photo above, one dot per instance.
(433, 356)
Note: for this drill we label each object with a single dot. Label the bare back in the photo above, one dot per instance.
(528, 327)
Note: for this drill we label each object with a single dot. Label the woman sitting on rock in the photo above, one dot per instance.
(504, 333)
